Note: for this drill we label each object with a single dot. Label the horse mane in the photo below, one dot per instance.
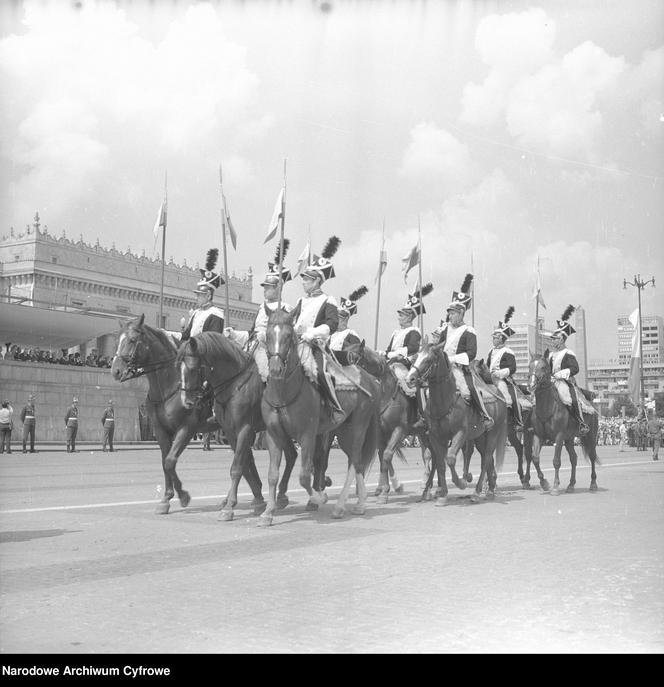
(210, 345)
(162, 337)
(280, 316)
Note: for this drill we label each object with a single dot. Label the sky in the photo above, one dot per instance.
(497, 132)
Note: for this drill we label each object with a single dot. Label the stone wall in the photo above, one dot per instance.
(54, 386)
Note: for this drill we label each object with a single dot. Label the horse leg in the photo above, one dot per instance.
(482, 448)
(386, 464)
(360, 508)
(165, 442)
(536, 448)
(180, 441)
(340, 506)
(439, 464)
(569, 445)
(291, 456)
(307, 450)
(240, 453)
(275, 449)
(467, 455)
(455, 446)
(557, 451)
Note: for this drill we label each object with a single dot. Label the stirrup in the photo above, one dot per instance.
(583, 428)
(487, 421)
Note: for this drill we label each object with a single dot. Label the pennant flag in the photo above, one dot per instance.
(304, 260)
(634, 380)
(226, 219)
(409, 261)
(537, 293)
(382, 264)
(161, 219)
(276, 216)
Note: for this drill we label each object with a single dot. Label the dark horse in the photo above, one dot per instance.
(452, 423)
(293, 409)
(523, 445)
(394, 414)
(233, 377)
(144, 350)
(552, 420)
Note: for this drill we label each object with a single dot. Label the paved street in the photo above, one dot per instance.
(87, 567)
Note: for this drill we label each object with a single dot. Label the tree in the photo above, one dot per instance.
(615, 409)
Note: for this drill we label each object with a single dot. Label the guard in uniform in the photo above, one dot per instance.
(316, 318)
(564, 364)
(460, 344)
(502, 365)
(344, 336)
(108, 423)
(71, 425)
(254, 339)
(404, 346)
(655, 433)
(29, 419)
(206, 317)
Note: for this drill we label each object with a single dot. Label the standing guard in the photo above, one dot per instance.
(502, 365)
(206, 317)
(71, 425)
(254, 339)
(316, 318)
(29, 419)
(403, 348)
(344, 336)
(564, 366)
(460, 344)
(108, 423)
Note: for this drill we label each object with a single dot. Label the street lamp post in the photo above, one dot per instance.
(640, 285)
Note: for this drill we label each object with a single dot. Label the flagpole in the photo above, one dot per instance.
(281, 237)
(163, 258)
(380, 278)
(474, 301)
(537, 346)
(227, 311)
(419, 248)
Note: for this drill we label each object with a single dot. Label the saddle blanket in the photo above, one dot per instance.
(566, 397)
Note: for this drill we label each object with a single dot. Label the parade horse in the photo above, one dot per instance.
(214, 361)
(523, 445)
(145, 351)
(551, 420)
(293, 409)
(453, 423)
(394, 415)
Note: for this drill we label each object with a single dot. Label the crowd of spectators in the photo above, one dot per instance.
(36, 355)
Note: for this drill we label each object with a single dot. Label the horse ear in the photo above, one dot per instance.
(546, 354)
(193, 344)
(141, 319)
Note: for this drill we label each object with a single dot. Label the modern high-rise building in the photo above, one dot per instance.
(652, 330)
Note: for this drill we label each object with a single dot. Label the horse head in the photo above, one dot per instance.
(280, 339)
(130, 352)
(191, 369)
(482, 370)
(428, 359)
(540, 370)
(355, 352)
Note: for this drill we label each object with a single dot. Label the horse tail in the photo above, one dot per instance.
(400, 453)
(589, 440)
(501, 445)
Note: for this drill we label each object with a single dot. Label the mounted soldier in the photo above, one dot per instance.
(403, 348)
(564, 367)
(206, 317)
(253, 340)
(460, 345)
(502, 365)
(344, 336)
(316, 318)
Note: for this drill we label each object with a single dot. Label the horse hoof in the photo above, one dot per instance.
(475, 498)
(593, 486)
(441, 501)
(555, 491)
(338, 513)
(378, 491)
(162, 508)
(311, 505)
(526, 485)
(382, 498)
(491, 495)
(185, 498)
(325, 498)
(226, 515)
(358, 510)
(545, 485)
(469, 478)
(570, 489)
(260, 508)
(399, 489)
(264, 521)
(222, 504)
(282, 502)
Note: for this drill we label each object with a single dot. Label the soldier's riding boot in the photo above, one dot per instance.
(516, 408)
(487, 420)
(583, 427)
(418, 422)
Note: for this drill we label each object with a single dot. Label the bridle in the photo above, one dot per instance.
(131, 358)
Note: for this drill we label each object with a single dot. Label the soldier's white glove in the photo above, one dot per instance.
(308, 336)
(562, 374)
(393, 354)
(460, 359)
(503, 373)
(380, 353)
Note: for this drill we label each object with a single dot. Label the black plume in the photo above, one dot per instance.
(508, 314)
(331, 247)
(568, 313)
(211, 260)
(277, 256)
(358, 293)
(465, 287)
(424, 291)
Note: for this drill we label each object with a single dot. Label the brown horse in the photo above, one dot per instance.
(233, 377)
(293, 409)
(453, 423)
(552, 421)
(145, 351)
(522, 444)
(394, 415)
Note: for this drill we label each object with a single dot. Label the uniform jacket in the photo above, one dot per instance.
(318, 313)
(405, 342)
(109, 414)
(460, 343)
(28, 413)
(207, 319)
(501, 362)
(339, 340)
(71, 416)
(564, 364)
